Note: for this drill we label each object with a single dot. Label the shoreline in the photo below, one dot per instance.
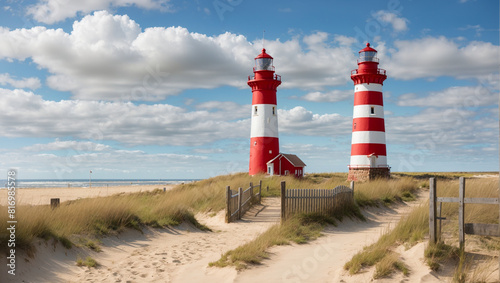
(42, 196)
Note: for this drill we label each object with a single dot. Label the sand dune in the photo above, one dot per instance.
(182, 254)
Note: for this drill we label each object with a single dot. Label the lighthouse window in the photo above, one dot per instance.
(274, 110)
(264, 64)
(372, 110)
(255, 110)
(368, 56)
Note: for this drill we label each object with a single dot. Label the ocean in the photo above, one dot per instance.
(81, 183)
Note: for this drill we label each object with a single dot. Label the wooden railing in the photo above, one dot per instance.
(463, 228)
(238, 202)
(324, 201)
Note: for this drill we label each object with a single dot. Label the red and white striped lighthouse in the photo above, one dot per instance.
(264, 142)
(368, 149)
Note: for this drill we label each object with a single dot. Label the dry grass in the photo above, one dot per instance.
(410, 229)
(414, 227)
(100, 216)
(103, 215)
(387, 191)
(88, 262)
(371, 193)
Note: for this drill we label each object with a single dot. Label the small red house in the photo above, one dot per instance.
(286, 164)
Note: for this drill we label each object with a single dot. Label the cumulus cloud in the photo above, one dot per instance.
(301, 121)
(344, 40)
(398, 24)
(52, 11)
(331, 96)
(443, 129)
(31, 83)
(459, 96)
(317, 65)
(109, 57)
(160, 124)
(432, 57)
(125, 123)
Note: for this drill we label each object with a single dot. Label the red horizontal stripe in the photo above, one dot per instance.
(264, 97)
(368, 124)
(368, 148)
(368, 97)
(259, 153)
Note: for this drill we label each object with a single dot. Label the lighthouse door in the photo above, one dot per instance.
(373, 160)
(270, 169)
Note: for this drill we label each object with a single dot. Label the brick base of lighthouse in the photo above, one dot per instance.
(366, 174)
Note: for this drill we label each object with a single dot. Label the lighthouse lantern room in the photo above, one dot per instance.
(368, 146)
(264, 142)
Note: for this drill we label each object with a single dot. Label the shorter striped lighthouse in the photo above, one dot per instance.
(264, 142)
(368, 148)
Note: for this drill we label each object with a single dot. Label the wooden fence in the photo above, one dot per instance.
(463, 228)
(324, 201)
(481, 229)
(238, 202)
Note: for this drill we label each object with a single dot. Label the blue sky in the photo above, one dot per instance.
(157, 88)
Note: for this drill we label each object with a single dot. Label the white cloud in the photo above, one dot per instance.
(31, 83)
(108, 57)
(331, 96)
(300, 121)
(432, 57)
(161, 124)
(460, 96)
(397, 23)
(52, 11)
(344, 40)
(129, 124)
(443, 129)
(78, 146)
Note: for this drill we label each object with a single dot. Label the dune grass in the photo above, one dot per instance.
(410, 230)
(100, 216)
(302, 228)
(298, 229)
(88, 262)
(415, 226)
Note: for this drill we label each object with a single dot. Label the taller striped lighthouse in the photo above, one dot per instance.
(368, 149)
(264, 142)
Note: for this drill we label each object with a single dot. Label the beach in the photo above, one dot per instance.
(42, 196)
(182, 253)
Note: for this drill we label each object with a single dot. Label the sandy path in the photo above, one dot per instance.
(42, 196)
(323, 260)
(159, 255)
(182, 254)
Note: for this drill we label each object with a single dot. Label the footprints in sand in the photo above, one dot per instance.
(162, 256)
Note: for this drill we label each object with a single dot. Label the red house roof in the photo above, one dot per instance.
(292, 158)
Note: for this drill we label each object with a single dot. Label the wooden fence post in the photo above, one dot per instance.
(251, 193)
(432, 210)
(352, 188)
(461, 195)
(54, 202)
(260, 191)
(228, 205)
(283, 201)
(240, 199)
